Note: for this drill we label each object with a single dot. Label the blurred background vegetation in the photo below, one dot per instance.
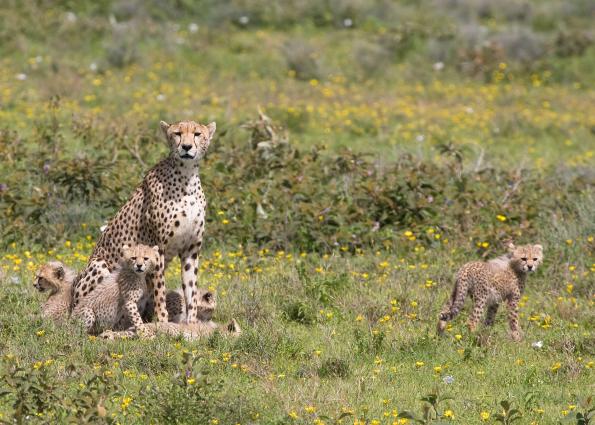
(377, 116)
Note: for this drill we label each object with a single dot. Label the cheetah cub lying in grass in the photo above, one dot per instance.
(115, 303)
(56, 278)
(490, 283)
(189, 331)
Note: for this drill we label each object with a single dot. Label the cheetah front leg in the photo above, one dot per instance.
(189, 261)
(157, 282)
(513, 318)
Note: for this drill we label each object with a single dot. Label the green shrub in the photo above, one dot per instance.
(268, 193)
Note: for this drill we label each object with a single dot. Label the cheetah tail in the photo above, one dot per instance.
(456, 302)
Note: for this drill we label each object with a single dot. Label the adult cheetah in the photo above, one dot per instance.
(167, 210)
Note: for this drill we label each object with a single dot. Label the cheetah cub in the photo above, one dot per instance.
(56, 278)
(176, 306)
(115, 303)
(490, 283)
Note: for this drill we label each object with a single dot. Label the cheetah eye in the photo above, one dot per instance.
(178, 133)
(535, 259)
(133, 258)
(524, 258)
(146, 258)
(197, 134)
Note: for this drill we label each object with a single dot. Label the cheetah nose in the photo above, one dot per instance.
(530, 267)
(186, 147)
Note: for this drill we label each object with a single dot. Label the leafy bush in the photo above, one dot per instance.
(35, 394)
(268, 193)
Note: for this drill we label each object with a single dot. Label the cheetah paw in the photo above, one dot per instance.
(516, 336)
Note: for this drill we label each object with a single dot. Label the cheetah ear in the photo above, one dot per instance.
(125, 247)
(208, 296)
(538, 248)
(511, 247)
(156, 249)
(212, 127)
(164, 127)
(59, 272)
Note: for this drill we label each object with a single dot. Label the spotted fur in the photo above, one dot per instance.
(167, 210)
(56, 278)
(491, 283)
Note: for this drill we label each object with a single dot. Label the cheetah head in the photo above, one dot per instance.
(52, 276)
(206, 305)
(525, 258)
(140, 258)
(188, 140)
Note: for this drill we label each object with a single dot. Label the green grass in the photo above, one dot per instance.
(371, 323)
(394, 175)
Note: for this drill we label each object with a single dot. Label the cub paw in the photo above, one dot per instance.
(441, 327)
(516, 336)
(109, 334)
(144, 333)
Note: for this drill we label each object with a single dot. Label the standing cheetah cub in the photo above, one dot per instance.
(56, 278)
(115, 303)
(490, 283)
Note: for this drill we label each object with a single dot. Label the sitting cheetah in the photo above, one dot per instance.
(167, 210)
(489, 283)
(115, 303)
(56, 278)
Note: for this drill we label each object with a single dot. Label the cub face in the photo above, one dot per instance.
(206, 305)
(140, 258)
(50, 276)
(526, 258)
(188, 140)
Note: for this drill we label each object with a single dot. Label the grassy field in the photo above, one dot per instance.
(404, 139)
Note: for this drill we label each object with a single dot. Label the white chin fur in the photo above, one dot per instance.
(187, 155)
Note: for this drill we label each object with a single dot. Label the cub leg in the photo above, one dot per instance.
(131, 306)
(491, 314)
(513, 318)
(477, 313)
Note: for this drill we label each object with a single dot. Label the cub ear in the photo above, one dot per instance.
(212, 127)
(156, 249)
(59, 272)
(164, 127)
(208, 296)
(511, 247)
(538, 248)
(125, 247)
